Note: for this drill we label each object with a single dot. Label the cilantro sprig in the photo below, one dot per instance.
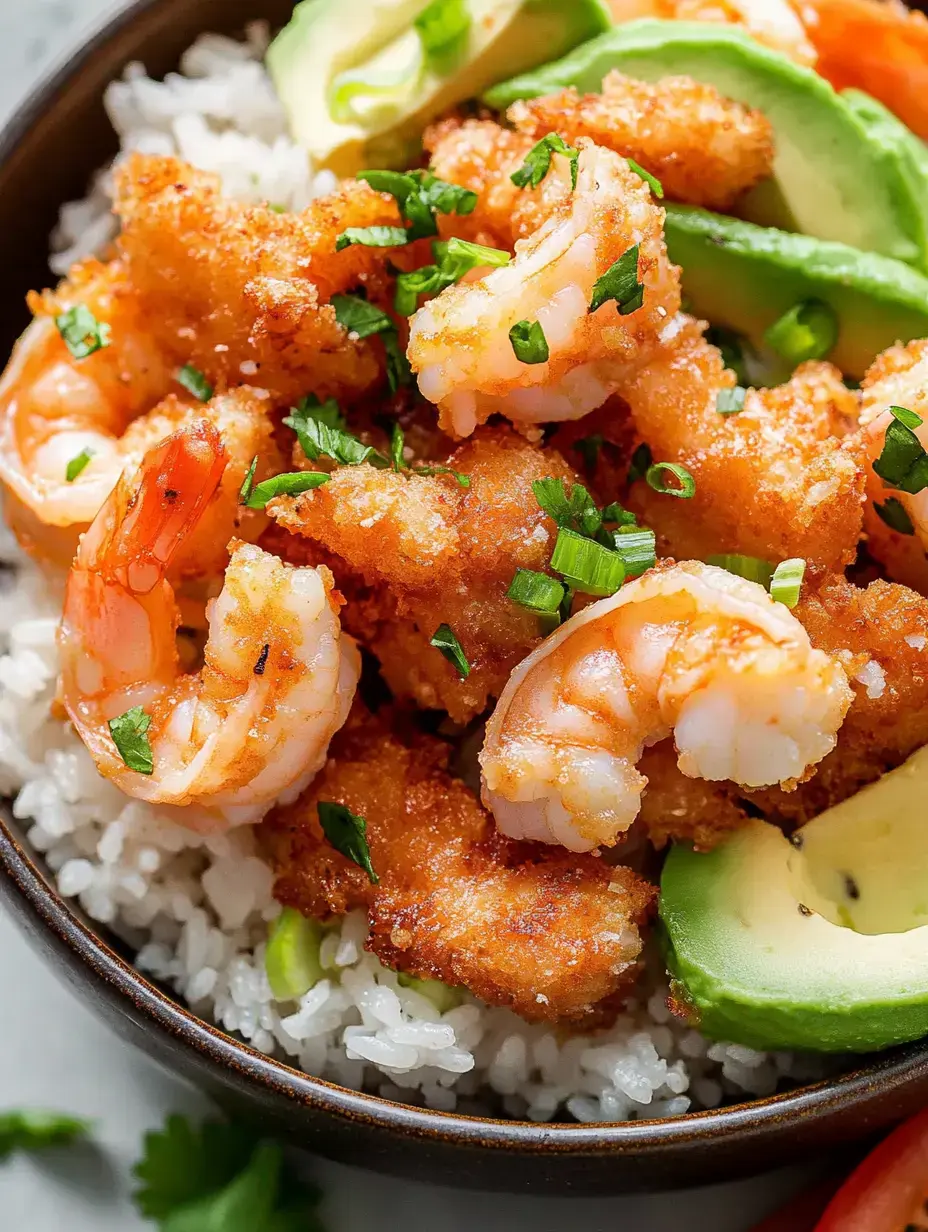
(421, 197)
(538, 162)
(26, 1129)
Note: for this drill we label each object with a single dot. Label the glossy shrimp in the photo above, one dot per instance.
(254, 724)
(687, 650)
(461, 343)
(898, 377)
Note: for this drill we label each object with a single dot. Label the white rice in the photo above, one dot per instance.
(198, 908)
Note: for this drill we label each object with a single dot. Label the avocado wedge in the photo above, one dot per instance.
(833, 177)
(359, 82)
(745, 277)
(820, 943)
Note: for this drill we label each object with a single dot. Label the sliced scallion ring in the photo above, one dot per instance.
(752, 568)
(539, 592)
(685, 487)
(586, 565)
(636, 546)
(787, 581)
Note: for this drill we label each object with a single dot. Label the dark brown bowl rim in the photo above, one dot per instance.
(890, 1071)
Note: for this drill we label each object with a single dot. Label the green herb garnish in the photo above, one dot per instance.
(77, 464)
(290, 484)
(529, 344)
(347, 832)
(194, 382)
(81, 332)
(653, 183)
(248, 482)
(787, 582)
(372, 237)
(363, 319)
(894, 514)
(27, 1129)
(620, 282)
(903, 462)
(538, 592)
(317, 426)
(807, 331)
(730, 401)
(685, 487)
(538, 162)
(444, 639)
(586, 565)
(130, 735)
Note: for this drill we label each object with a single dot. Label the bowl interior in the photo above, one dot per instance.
(47, 154)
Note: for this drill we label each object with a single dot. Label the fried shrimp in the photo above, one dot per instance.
(775, 23)
(686, 649)
(55, 410)
(432, 552)
(880, 635)
(254, 724)
(779, 479)
(898, 377)
(553, 937)
(237, 291)
(704, 149)
(462, 344)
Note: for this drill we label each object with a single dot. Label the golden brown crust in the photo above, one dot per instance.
(552, 935)
(705, 149)
(429, 552)
(779, 479)
(677, 807)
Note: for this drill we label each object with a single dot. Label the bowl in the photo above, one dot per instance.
(47, 153)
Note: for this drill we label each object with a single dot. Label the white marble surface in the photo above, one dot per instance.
(54, 1053)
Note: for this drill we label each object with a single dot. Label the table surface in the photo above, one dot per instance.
(53, 1052)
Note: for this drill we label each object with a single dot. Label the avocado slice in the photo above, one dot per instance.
(359, 85)
(833, 176)
(745, 277)
(820, 943)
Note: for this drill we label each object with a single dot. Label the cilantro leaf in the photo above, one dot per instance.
(81, 332)
(538, 162)
(372, 237)
(347, 832)
(183, 1163)
(245, 1204)
(620, 282)
(320, 432)
(33, 1130)
(363, 319)
(130, 735)
(445, 639)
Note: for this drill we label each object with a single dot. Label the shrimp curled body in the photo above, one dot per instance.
(254, 724)
(460, 344)
(687, 649)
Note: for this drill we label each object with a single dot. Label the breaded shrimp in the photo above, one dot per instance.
(553, 937)
(253, 726)
(241, 292)
(779, 479)
(431, 552)
(775, 23)
(898, 377)
(880, 634)
(704, 149)
(677, 807)
(461, 345)
(53, 408)
(685, 649)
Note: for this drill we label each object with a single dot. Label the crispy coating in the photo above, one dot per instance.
(431, 552)
(897, 377)
(886, 625)
(779, 479)
(705, 149)
(242, 291)
(552, 935)
(677, 807)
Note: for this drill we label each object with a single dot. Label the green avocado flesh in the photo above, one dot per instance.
(834, 176)
(358, 85)
(820, 943)
(745, 277)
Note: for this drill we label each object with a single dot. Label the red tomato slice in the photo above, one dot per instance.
(884, 1191)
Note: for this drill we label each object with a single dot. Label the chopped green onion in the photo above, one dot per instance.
(586, 565)
(248, 482)
(347, 832)
(77, 464)
(289, 484)
(588, 447)
(443, 26)
(81, 332)
(291, 959)
(195, 382)
(463, 481)
(314, 425)
(576, 511)
(442, 996)
(903, 462)
(397, 445)
(443, 639)
(655, 185)
(894, 514)
(730, 401)
(130, 735)
(787, 581)
(685, 486)
(752, 568)
(529, 344)
(807, 331)
(538, 592)
(640, 463)
(637, 549)
(615, 513)
(372, 237)
(538, 162)
(398, 369)
(620, 282)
